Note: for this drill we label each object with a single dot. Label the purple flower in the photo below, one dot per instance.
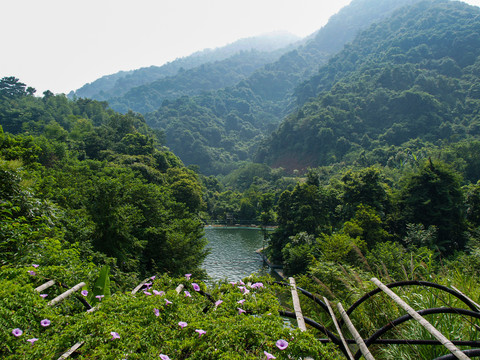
(45, 322)
(17, 332)
(195, 287)
(153, 277)
(218, 302)
(187, 294)
(168, 302)
(32, 340)
(157, 312)
(32, 273)
(241, 282)
(269, 356)
(161, 293)
(233, 283)
(257, 285)
(99, 297)
(182, 324)
(241, 311)
(164, 357)
(282, 344)
(200, 332)
(84, 292)
(188, 276)
(44, 295)
(147, 293)
(114, 335)
(148, 285)
(244, 290)
(35, 265)
(241, 301)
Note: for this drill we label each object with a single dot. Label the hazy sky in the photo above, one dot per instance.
(60, 45)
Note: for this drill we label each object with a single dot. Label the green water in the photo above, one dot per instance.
(233, 253)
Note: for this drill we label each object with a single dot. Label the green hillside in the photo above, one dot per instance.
(413, 76)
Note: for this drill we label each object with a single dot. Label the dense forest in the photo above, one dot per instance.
(367, 165)
(414, 76)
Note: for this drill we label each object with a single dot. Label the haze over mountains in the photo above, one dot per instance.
(216, 107)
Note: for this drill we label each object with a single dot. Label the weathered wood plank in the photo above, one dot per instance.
(134, 291)
(71, 350)
(332, 314)
(356, 336)
(66, 294)
(296, 305)
(473, 302)
(429, 327)
(45, 286)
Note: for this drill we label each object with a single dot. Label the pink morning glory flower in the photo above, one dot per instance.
(188, 276)
(257, 285)
(282, 344)
(35, 265)
(148, 285)
(241, 301)
(44, 295)
(233, 283)
(84, 292)
(115, 335)
(17, 332)
(269, 356)
(32, 273)
(195, 287)
(168, 302)
(99, 297)
(187, 294)
(200, 332)
(241, 311)
(218, 302)
(244, 290)
(182, 324)
(32, 340)
(147, 293)
(241, 282)
(161, 293)
(164, 357)
(157, 312)
(45, 322)
(153, 277)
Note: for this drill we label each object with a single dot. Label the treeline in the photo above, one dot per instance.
(95, 181)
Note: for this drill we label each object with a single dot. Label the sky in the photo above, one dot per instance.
(59, 45)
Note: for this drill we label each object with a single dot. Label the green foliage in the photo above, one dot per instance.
(101, 286)
(144, 335)
(432, 196)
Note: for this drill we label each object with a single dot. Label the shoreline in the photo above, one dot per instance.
(278, 269)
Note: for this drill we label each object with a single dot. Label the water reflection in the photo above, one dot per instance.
(233, 254)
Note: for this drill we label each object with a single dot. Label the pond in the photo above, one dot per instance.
(233, 255)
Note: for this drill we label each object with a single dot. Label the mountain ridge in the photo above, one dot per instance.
(119, 83)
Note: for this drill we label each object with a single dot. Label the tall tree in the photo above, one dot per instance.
(433, 196)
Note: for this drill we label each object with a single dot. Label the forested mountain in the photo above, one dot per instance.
(412, 76)
(217, 129)
(206, 77)
(116, 85)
